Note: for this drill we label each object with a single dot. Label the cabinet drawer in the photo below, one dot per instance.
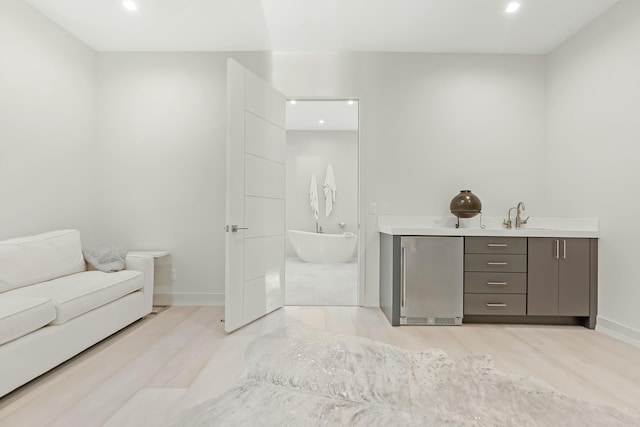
(495, 245)
(495, 283)
(495, 263)
(495, 304)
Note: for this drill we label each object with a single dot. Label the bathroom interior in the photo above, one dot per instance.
(321, 266)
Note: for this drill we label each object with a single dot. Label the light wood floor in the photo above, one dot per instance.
(182, 356)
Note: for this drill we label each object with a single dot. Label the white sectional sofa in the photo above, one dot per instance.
(52, 307)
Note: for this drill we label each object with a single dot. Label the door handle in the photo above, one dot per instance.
(234, 228)
(564, 249)
(557, 256)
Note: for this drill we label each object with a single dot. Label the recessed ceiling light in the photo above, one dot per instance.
(350, 102)
(512, 7)
(321, 121)
(130, 5)
(292, 102)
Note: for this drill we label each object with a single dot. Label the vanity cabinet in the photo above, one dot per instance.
(559, 277)
(539, 280)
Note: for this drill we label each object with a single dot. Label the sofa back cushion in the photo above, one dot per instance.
(34, 259)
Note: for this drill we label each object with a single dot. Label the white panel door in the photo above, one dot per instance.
(263, 217)
(264, 139)
(254, 244)
(264, 177)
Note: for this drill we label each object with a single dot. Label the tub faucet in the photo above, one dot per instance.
(319, 228)
(519, 220)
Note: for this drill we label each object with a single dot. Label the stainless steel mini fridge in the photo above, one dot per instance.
(432, 275)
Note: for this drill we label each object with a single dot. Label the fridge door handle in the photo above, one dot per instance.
(403, 279)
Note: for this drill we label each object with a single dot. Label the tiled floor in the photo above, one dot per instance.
(320, 284)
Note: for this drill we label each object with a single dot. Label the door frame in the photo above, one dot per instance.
(361, 212)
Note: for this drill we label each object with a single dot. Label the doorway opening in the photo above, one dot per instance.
(322, 202)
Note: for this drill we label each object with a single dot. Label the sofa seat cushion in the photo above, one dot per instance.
(20, 316)
(82, 292)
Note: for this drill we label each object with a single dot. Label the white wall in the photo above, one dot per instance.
(433, 124)
(310, 152)
(162, 138)
(47, 114)
(594, 137)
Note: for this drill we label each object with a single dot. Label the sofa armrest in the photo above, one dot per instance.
(143, 263)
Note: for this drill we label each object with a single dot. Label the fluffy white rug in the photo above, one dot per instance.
(298, 376)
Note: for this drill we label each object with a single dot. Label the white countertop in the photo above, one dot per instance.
(445, 226)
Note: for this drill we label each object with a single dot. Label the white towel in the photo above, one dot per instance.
(329, 191)
(313, 196)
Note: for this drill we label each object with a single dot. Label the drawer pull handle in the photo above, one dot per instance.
(495, 305)
(496, 263)
(497, 283)
(497, 245)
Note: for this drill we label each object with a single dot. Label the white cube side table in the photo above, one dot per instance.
(162, 272)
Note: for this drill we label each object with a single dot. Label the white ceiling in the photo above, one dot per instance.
(465, 26)
(336, 115)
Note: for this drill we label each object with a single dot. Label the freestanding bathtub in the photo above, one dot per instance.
(321, 247)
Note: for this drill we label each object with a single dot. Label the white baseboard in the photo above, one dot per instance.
(619, 331)
(188, 299)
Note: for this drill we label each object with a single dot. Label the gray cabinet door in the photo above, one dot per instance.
(558, 277)
(573, 293)
(543, 274)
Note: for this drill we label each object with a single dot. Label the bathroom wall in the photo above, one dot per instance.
(431, 125)
(310, 152)
(47, 117)
(593, 152)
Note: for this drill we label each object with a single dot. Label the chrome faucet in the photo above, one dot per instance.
(507, 222)
(519, 220)
(319, 228)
